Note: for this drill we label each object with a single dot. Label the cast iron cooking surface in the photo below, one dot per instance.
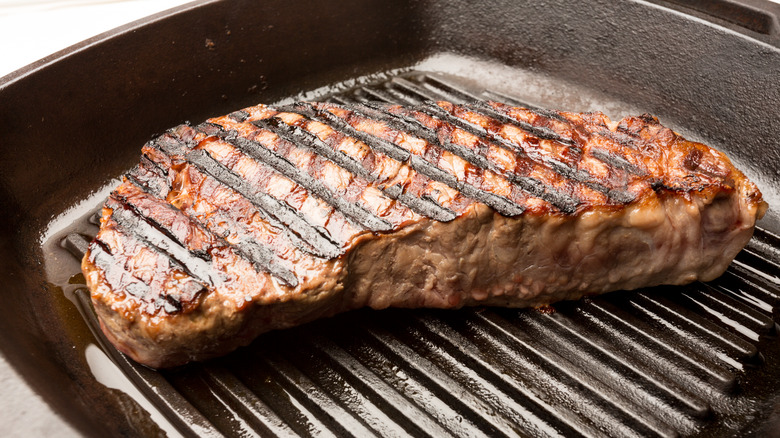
(657, 362)
(701, 360)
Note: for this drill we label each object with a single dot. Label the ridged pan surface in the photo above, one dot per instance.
(666, 361)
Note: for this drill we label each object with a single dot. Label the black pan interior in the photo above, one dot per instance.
(65, 139)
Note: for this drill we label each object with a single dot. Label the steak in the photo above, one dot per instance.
(271, 217)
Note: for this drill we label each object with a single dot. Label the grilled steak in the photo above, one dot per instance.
(271, 217)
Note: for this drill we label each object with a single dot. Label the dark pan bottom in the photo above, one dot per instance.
(700, 360)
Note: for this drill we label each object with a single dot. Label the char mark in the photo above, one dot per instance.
(170, 145)
(209, 128)
(537, 131)
(261, 257)
(305, 236)
(101, 257)
(170, 302)
(423, 205)
(581, 176)
(196, 264)
(153, 165)
(536, 188)
(533, 186)
(616, 161)
(306, 140)
(430, 108)
(258, 152)
(375, 112)
(239, 116)
(556, 166)
(150, 186)
(399, 122)
(391, 150)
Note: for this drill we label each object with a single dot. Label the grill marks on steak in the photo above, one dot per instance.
(237, 223)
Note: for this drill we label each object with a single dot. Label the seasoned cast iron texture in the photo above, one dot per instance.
(659, 362)
(693, 361)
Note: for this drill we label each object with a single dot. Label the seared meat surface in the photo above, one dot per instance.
(271, 217)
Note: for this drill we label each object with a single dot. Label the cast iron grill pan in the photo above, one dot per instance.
(665, 361)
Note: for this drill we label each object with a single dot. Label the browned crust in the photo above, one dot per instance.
(640, 175)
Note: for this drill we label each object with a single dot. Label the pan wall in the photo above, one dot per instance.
(74, 122)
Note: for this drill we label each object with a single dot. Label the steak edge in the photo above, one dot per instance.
(271, 217)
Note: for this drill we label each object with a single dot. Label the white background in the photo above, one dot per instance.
(33, 29)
